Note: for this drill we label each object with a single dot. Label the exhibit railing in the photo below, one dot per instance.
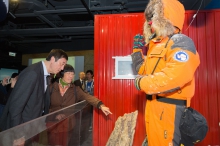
(69, 126)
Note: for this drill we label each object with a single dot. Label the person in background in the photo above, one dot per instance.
(167, 72)
(81, 81)
(89, 82)
(90, 90)
(26, 102)
(3, 10)
(6, 87)
(64, 93)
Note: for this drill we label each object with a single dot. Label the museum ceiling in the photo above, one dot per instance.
(32, 26)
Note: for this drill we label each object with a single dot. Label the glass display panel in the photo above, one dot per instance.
(48, 130)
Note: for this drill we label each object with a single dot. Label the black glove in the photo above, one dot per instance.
(137, 60)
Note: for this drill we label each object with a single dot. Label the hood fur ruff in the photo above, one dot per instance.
(165, 16)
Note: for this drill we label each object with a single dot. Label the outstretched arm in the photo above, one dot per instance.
(92, 100)
(105, 109)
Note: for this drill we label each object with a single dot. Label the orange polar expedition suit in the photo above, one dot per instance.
(173, 77)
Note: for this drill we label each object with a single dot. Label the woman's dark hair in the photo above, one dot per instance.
(57, 54)
(14, 75)
(67, 68)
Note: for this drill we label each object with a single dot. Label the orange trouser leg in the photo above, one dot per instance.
(162, 123)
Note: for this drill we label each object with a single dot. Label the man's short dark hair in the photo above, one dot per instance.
(57, 54)
(89, 71)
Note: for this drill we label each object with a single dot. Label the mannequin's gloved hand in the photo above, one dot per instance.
(139, 42)
(136, 56)
(137, 82)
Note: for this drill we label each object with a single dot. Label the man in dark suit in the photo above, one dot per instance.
(81, 81)
(26, 101)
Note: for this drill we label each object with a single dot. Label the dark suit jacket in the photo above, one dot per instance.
(26, 101)
(78, 83)
(3, 93)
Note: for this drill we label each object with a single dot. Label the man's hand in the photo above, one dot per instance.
(105, 110)
(13, 81)
(139, 42)
(5, 81)
(19, 142)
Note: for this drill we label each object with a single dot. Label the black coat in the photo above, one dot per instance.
(3, 94)
(26, 101)
(78, 83)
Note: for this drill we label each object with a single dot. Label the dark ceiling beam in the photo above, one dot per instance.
(195, 4)
(144, 3)
(49, 31)
(47, 21)
(41, 41)
(68, 39)
(52, 12)
(48, 2)
(73, 10)
(87, 8)
(105, 8)
(136, 6)
(31, 3)
(50, 23)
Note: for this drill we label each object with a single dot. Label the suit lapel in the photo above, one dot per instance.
(41, 77)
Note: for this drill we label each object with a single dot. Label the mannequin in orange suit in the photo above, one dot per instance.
(167, 72)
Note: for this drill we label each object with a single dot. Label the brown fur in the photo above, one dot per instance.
(162, 26)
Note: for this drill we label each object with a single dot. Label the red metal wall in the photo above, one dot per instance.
(114, 37)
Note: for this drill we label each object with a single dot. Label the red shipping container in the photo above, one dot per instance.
(114, 37)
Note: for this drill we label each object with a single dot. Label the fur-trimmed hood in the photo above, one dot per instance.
(165, 16)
